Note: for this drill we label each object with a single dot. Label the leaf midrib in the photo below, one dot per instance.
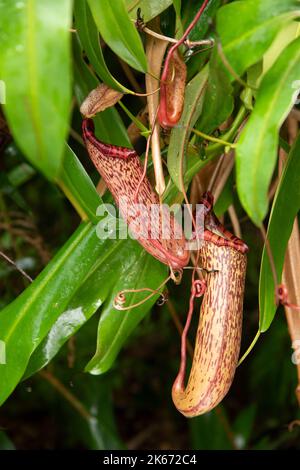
(42, 283)
(33, 86)
(227, 47)
(265, 125)
(118, 334)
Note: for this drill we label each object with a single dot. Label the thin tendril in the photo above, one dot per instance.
(198, 288)
(120, 298)
(181, 41)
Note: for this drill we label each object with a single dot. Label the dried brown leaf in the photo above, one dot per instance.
(99, 99)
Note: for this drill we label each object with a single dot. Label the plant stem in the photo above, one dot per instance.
(213, 150)
(213, 139)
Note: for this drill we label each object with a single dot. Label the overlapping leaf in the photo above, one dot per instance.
(193, 102)
(85, 81)
(285, 208)
(90, 41)
(34, 55)
(115, 259)
(26, 321)
(115, 326)
(149, 9)
(248, 27)
(119, 32)
(256, 157)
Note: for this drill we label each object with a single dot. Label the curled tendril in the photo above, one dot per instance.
(120, 299)
(198, 288)
(164, 297)
(176, 275)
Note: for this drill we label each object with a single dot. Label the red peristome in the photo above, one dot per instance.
(109, 150)
(122, 172)
(212, 225)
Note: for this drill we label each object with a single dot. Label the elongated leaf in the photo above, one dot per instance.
(21, 174)
(149, 9)
(287, 34)
(78, 187)
(117, 256)
(27, 320)
(218, 100)
(119, 32)
(193, 102)
(193, 164)
(34, 56)
(89, 38)
(85, 81)
(115, 326)
(100, 431)
(177, 7)
(256, 157)
(226, 197)
(248, 27)
(281, 221)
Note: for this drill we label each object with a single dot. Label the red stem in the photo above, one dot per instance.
(181, 41)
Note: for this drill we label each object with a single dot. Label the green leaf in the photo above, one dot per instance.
(284, 211)
(149, 9)
(193, 102)
(28, 319)
(200, 29)
(287, 34)
(85, 81)
(21, 174)
(177, 7)
(115, 326)
(247, 28)
(9, 190)
(256, 157)
(117, 257)
(193, 166)
(34, 56)
(119, 32)
(226, 197)
(78, 187)
(90, 41)
(218, 100)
